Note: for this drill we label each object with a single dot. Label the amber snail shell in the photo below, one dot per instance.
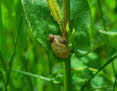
(59, 46)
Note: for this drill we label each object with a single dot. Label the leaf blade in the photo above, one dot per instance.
(40, 20)
(55, 10)
(81, 22)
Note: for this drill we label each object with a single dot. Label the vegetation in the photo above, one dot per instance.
(30, 61)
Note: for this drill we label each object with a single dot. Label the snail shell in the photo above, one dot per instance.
(59, 46)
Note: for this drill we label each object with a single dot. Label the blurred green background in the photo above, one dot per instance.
(17, 43)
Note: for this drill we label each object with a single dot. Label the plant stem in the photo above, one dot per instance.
(66, 15)
(67, 63)
(67, 75)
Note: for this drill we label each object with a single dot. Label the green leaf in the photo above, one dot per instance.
(40, 20)
(42, 24)
(112, 36)
(81, 21)
(111, 33)
(55, 10)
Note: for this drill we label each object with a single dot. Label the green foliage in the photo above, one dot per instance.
(41, 23)
(40, 20)
(81, 21)
(92, 39)
(112, 35)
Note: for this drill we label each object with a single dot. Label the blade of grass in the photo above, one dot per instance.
(106, 64)
(37, 76)
(101, 88)
(116, 5)
(12, 57)
(0, 24)
(114, 76)
(94, 70)
(103, 22)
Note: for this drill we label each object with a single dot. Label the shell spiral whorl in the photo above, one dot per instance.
(59, 46)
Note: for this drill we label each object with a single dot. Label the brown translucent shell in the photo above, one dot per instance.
(59, 46)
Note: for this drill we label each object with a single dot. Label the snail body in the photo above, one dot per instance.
(59, 46)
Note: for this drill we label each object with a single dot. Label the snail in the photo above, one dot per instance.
(59, 46)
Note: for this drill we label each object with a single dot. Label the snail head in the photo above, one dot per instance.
(51, 37)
